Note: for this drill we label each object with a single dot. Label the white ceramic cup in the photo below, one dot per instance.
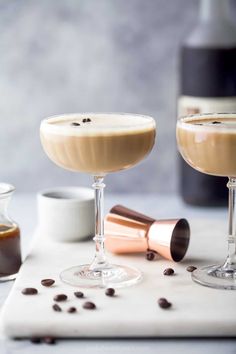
(66, 213)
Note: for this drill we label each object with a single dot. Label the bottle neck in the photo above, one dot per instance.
(214, 10)
(215, 28)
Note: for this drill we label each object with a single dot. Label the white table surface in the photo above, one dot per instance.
(24, 210)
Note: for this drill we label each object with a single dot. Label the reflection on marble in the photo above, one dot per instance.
(66, 56)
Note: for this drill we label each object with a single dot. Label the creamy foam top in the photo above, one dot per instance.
(97, 123)
(219, 122)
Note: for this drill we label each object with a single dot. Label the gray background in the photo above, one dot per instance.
(89, 55)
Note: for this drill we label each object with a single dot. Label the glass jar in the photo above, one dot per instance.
(10, 252)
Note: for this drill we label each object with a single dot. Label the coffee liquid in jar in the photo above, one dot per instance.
(10, 252)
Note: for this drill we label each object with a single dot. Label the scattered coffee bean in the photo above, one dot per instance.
(79, 294)
(89, 305)
(229, 271)
(110, 292)
(60, 297)
(35, 340)
(56, 308)
(49, 340)
(150, 256)
(191, 268)
(168, 271)
(216, 122)
(29, 291)
(71, 309)
(47, 282)
(163, 303)
(75, 124)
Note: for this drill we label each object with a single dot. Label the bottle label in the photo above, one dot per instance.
(197, 105)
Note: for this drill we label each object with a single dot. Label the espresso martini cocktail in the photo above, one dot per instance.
(207, 142)
(97, 144)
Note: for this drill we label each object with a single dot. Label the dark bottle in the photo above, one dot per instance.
(207, 85)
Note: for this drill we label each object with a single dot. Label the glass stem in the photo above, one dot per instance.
(231, 258)
(100, 258)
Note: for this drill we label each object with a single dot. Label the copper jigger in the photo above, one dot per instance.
(128, 231)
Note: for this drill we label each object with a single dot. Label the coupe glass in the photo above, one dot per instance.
(207, 142)
(97, 144)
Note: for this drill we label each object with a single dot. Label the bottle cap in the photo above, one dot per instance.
(128, 231)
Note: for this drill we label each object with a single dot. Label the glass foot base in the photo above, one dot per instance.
(114, 276)
(216, 277)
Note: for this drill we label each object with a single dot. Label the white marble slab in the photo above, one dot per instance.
(197, 311)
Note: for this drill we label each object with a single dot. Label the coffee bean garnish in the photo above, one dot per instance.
(168, 271)
(60, 297)
(163, 303)
(29, 291)
(71, 309)
(79, 294)
(35, 340)
(150, 256)
(110, 292)
(86, 120)
(47, 282)
(75, 124)
(191, 268)
(215, 122)
(89, 305)
(49, 340)
(56, 308)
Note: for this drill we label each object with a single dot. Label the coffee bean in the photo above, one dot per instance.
(75, 124)
(229, 271)
(89, 305)
(86, 120)
(56, 308)
(110, 292)
(191, 268)
(150, 256)
(215, 122)
(168, 271)
(71, 309)
(79, 294)
(49, 340)
(47, 282)
(60, 297)
(163, 303)
(35, 340)
(29, 291)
